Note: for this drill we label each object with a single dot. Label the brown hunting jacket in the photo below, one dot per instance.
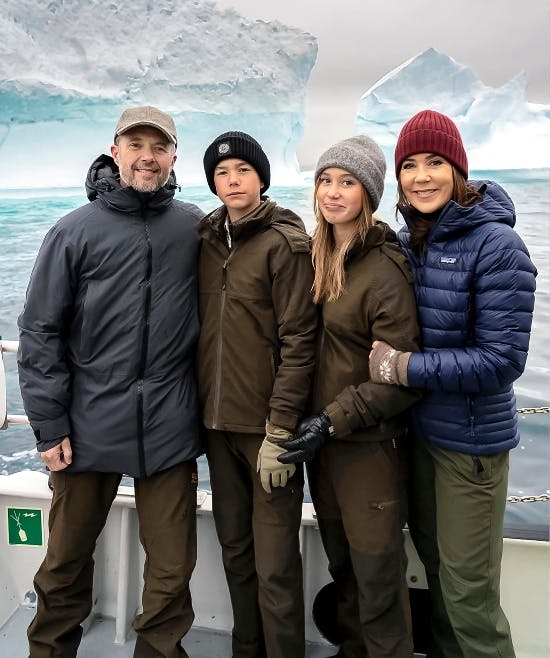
(378, 304)
(258, 321)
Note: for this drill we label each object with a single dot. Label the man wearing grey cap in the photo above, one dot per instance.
(107, 342)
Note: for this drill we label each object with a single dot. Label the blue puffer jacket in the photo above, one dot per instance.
(474, 286)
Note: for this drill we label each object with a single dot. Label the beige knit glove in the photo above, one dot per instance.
(272, 472)
(388, 366)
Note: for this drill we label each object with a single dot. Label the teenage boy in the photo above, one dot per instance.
(256, 357)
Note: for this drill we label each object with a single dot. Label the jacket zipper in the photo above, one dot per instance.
(471, 412)
(144, 344)
(219, 347)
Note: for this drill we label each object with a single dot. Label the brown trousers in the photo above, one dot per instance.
(259, 536)
(358, 490)
(166, 508)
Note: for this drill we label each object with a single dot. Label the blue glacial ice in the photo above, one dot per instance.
(68, 68)
(501, 130)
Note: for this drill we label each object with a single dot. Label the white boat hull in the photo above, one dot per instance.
(119, 564)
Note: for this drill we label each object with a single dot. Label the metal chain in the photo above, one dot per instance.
(534, 410)
(543, 498)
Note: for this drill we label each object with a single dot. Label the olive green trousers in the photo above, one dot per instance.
(456, 514)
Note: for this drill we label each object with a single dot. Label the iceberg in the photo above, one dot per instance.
(69, 67)
(500, 129)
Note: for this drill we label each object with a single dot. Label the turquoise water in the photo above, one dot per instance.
(26, 215)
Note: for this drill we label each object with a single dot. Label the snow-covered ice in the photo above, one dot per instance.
(501, 130)
(68, 68)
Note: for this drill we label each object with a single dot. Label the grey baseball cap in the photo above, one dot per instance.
(147, 115)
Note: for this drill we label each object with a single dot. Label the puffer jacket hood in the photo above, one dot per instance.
(454, 219)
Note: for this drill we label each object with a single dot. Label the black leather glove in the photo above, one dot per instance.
(310, 436)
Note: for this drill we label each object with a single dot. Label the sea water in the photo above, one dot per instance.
(26, 215)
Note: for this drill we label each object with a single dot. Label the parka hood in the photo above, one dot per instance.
(495, 206)
(103, 181)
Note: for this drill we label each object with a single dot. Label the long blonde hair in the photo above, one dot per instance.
(328, 259)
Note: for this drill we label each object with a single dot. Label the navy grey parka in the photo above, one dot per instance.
(109, 330)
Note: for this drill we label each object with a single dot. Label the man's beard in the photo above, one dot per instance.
(148, 186)
(152, 185)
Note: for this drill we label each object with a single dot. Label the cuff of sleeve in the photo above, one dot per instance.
(416, 370)
(402, 368)
(274, 433)
(47, 431)
(286, 421)
(338, 420)
(42, 446)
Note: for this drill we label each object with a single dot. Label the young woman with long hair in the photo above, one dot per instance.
(355, 441)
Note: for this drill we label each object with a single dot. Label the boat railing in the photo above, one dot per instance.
(11, 346)
(120, 563)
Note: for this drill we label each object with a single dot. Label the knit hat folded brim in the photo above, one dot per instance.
(431, 132)
(361, 156)
(236, 144)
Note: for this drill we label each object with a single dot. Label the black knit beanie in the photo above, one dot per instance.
(235, 144)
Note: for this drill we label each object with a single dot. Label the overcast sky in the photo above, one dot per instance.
(361, 40)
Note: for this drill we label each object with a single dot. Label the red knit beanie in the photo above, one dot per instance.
(431, 132)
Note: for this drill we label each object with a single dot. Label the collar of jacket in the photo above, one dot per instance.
(454, 219)
(377, 235)
(258, 220)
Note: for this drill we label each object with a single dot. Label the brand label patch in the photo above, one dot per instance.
(223, 148)
(448, 260)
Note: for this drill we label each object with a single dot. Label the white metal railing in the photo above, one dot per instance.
(6, 418)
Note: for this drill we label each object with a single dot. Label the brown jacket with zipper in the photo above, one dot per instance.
(378, 304)
(258, 321)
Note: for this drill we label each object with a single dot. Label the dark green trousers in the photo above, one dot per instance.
(166, 508)
(358, 490)
(259, 537)
(456, 522)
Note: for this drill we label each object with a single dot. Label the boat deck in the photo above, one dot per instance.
(98, 641)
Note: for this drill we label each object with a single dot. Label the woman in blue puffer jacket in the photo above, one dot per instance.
(474, 285)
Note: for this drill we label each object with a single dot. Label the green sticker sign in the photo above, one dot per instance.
(25, 527)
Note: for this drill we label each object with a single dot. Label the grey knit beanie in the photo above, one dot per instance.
(362, 157)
